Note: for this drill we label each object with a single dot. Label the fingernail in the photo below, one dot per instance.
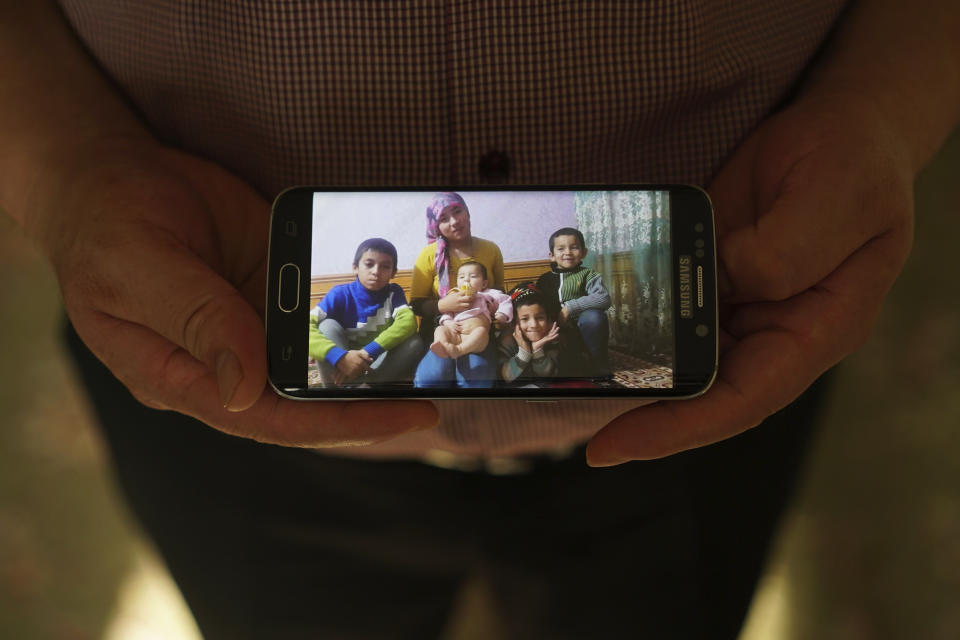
(229, 375)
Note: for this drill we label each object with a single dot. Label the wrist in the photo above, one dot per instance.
(372, 351)
(56, 100)
(899, 62)
(335, 355)
(855, 114)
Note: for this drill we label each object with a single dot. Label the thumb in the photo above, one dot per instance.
(189, 304)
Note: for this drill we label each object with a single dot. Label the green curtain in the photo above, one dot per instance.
(628, 238)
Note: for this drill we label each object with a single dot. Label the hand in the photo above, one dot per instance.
(552, 335)
(161, 258)
(563, 316)
(500, 320)
(814, 215)
(521, 339)
(352, 364)
(454, 302)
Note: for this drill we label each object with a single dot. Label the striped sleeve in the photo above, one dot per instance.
(597, 298)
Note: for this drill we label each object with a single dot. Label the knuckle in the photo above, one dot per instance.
(202, 317)
(773, 277)
(758, 271)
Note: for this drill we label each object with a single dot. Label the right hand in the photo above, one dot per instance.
(161, 260)
(351, 365)
(521, 339)
(454, 302)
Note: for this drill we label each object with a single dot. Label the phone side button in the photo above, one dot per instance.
(289, 296)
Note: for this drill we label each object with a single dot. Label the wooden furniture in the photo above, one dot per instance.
(513, 274)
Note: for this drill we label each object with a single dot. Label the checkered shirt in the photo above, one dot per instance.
(371, 92)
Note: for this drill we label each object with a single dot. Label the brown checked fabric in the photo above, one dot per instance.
(364, 92)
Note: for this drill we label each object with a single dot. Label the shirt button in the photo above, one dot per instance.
(494, 166)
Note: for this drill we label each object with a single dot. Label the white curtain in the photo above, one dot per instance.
(627, 234)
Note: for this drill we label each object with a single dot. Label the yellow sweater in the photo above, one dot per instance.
(425, 284)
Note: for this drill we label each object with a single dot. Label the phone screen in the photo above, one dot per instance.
(491, 289)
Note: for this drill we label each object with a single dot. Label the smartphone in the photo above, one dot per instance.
(523, 292)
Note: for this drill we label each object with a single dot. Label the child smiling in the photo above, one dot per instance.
(581, 293)
(533, 350)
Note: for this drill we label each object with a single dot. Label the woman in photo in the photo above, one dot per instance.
(451, 244)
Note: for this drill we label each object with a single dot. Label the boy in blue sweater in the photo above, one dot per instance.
(365, 331)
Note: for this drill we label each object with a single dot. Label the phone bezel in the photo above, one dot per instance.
(695, 363)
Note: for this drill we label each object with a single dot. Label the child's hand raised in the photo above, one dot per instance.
(521, 340)
(552, 335)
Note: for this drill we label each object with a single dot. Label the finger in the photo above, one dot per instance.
(731, 406)
(192, 307)
(783, 348)
(166, 375)
(805, 235)
(860, 283)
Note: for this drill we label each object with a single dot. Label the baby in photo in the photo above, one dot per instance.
(469, 330)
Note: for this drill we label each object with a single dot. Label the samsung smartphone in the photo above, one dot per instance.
(588, 291)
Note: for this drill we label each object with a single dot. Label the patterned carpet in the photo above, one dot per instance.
(628, 371)
(635, 373)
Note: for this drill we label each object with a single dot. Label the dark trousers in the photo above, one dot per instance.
(270, 542)
(595, 330)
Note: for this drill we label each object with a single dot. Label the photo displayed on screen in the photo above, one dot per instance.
(482, 289)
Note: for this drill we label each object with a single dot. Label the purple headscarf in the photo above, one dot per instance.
(442, 262)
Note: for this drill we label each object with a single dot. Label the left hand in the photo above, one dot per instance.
(814, 222)
(552, 335)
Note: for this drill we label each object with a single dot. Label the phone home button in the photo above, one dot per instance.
(289, 296)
